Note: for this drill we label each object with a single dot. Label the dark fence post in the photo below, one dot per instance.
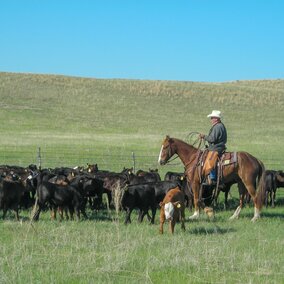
(133, 159)
(39, 158)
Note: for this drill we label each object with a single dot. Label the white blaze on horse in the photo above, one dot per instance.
(246, 172)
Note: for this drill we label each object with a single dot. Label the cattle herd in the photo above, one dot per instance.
(70, 191)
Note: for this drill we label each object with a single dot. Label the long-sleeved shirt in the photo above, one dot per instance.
(217, 138)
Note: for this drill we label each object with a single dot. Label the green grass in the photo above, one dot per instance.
(106, 251)
(80, 120)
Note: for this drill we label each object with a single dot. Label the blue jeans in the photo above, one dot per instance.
(213, 175)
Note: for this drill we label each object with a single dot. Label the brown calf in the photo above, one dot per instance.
(172, 209)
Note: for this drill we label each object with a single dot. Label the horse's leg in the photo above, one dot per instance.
(195, 189)
(251, 189)
(242, 193)
(196, 194)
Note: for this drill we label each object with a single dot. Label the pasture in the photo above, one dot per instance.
(83, 120)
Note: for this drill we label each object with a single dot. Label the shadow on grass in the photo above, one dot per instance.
(272, 215)
(211, 231)
(279, 202)
(101, 215)
(265, 215)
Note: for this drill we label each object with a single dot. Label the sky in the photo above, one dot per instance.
(184, 40)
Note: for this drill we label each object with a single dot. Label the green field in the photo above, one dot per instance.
(76, 121)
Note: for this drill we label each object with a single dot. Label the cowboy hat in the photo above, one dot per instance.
(215, 113)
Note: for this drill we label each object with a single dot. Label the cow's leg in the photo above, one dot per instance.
(142, 213)
(182, 219)
(109, 198)
(77, 210)
(226, 199)
(71, 211)
(172, 223)
(127, 217)
(81, 205)
(83, 211)
(60, 211)
(162, 220)
(215, 198)
(153, 209)
(5, 209)
(66, 214)
(53, 212)
(149, 216)
(266, 198)
(273, 198)
(36, 211)
(17, 214)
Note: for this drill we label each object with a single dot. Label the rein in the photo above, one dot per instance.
(170, 160)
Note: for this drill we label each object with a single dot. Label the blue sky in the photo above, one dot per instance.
(201, 40)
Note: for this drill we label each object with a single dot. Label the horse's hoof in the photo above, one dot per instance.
(254, 219)
(233, 217)
(193, 217)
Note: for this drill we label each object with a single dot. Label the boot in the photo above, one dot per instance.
(209, 181)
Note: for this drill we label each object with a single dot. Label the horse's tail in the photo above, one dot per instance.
(260, 194)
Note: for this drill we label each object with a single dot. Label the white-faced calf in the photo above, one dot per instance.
(172, 209)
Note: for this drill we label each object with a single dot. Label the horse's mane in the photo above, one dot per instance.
(183, 142)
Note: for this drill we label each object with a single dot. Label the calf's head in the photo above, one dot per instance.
(170, 208)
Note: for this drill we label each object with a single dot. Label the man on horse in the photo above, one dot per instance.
(217, 139)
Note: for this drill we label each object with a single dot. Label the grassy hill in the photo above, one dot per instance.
(121, 116)
(75, 120)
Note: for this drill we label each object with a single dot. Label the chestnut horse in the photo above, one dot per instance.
(247, 172)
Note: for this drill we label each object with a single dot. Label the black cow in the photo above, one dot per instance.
(148, 177)
(93, 190)
(273, 180)
(13, 195)
(58, 196)
(280, 179)
(113, 185)
(173, 176)
(151, 173)
(140, 196)
(162, 187)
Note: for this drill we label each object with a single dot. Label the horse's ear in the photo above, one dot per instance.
(170, 140)
(167, 137)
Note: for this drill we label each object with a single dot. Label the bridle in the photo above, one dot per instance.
(169, 154)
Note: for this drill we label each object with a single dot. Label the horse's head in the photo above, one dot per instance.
(166, 151)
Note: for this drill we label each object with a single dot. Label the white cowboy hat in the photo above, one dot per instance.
(215, 113)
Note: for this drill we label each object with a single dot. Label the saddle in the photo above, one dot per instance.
(226, 159)
(209, 160)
